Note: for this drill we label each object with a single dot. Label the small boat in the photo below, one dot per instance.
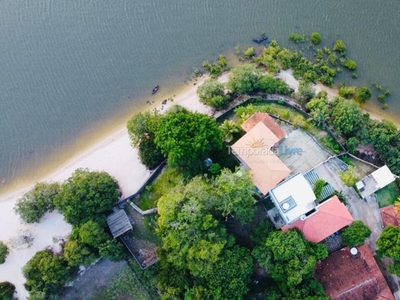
(264, 37)
(258, 41)
(155, 89)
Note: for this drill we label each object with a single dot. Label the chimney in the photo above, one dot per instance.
(354, 252)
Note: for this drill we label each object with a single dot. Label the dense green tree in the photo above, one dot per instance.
(271, 85)
(339, 46)
(351, 144)
(349, 177)
(347, 92)
(3, 252)
(318, 187)
(87, 196)
(349, 64)
(46, 272)
(141, 128)
(186, 138)
(211, 93)
(77, 253)
(355, 234)
(316, 38)
(229, 128)
(290, 260)
(306, 92)
(346, 116)
(244, 79)
(363, 94)
(7, 290)
(35, 203)
(297, 38)
(388, 243)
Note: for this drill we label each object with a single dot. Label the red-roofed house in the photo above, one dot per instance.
(390, 215)
(330, 217)
(347, 277)
(267, 120)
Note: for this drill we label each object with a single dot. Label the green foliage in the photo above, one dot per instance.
(211, 93)
(215, 168)
(346, 116)
(355, 234)
(332, 58)
(45, 273)
(349, 64)
(363, 94)
(187, 138)
(244, 79)
(297, 38)
(290, 260)
(347, 92)
(349, 177)
(3, 252)
(249, 53)
(339, 46)
(87, 196)
(215, 69)
(394, 268)
(271, 85)
(319, 110)
(150, 155)
(34, 204)
(316, 38)
(197, 257)
(352, 143)
(318, 187)
(141, 128)
(388, 243)
(382, 97)
(307, 92)
(229, 128)
(7, 290)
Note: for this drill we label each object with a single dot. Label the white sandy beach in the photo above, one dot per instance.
(114, 155)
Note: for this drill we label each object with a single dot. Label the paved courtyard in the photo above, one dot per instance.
(310, 155)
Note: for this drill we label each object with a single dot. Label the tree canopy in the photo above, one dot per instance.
(355, 234)
(346, 116)
(3, 252)
(87, 196)
(186, 138)
(290, 260)
(7, 290)
(35, 203)
(363, 94)
(388, 243)
(211, 93)
(339, 46)
(46, 273)
(244, 79)
(197, 255)
(316, 38)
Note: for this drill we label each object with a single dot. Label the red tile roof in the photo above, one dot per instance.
(390, 215)
(331, 216)
(267, 120)
(347, 278)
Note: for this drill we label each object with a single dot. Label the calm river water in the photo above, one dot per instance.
(71, 69)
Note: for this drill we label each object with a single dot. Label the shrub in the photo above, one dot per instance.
(211, 93)
(318, 187)
(316, 38)
(3, 252)
(355, 234)
(349, 177)
(363, 94)
(339, 46)
(34, 204)
(349, 64)
(249, 53)
(297, 38)
(347, 92)
(7, 290)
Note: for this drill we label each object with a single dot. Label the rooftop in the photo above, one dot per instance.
(267, 120)
(390, 215)
(347, 278)
(383, 176)
(118, 223)
(375, 181)
(331, 216)
(254, 150)
(293, 198)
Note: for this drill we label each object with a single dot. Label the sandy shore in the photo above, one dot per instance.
(114, 155)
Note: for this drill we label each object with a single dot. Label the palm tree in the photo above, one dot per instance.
(229, 128)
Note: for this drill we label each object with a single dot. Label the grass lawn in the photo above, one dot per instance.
(167, 180)
(125, 285)
(387, 195)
